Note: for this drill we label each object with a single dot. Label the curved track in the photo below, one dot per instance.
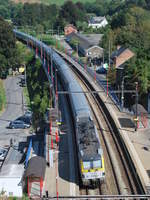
(121, 177)
(118, 163)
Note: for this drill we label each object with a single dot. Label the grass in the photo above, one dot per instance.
(58, 2)
(2, 96)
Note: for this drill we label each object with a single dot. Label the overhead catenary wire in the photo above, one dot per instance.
(94, 92)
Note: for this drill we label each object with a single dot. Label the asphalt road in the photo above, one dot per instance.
(14, 109)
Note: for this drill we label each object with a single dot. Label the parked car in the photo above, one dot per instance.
(23, 82)
(18, 124)
(4, 75)
(26, 119)
(3, 153)
(101, 70)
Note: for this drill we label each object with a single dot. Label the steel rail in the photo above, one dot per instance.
(140, 187)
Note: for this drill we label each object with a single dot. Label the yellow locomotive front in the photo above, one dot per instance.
(92, 170)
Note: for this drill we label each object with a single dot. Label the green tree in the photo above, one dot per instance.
(8, 55)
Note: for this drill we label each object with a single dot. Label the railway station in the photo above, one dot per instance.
(117, 162)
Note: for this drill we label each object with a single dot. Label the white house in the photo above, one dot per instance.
(10, 180)
(98, 22)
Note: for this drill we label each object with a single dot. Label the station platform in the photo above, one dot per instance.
(57, 178)
(137, 142)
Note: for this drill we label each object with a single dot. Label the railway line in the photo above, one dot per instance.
(120, 175)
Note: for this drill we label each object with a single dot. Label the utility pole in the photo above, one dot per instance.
(136, 103)
(25, 74)
(103, 57)
(58, 31)
(122, 92)
(22, 103)
(109, 54)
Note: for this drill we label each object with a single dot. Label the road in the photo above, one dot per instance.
(14, 109)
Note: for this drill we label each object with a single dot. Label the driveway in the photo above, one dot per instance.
(14, 109)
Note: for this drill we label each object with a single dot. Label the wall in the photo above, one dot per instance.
(11, 186)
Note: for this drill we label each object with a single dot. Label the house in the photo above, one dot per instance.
(85, 46)
(120, 56)
(98, 22)
(70, 29)
(11, 174)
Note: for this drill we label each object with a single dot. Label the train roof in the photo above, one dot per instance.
(87, 141)
(79, 101)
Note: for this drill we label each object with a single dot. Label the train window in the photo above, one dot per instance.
(97, 163)
(86, 165)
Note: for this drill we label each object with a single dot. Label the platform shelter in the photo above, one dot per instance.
(34, 176)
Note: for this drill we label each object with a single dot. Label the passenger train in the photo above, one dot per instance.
(90, 154)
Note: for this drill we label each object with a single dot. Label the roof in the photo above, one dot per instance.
(13, 157)
(95, 38)
(118, 52)
(12, 171)
(140, 109)
(70, 25)
(83, 41)
(36, 167)
(87, 140)
(97, 19)
(121, 55)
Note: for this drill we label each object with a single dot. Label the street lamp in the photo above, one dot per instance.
(136, 103)
(122, 92)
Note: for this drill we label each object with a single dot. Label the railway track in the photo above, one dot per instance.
(121, 177)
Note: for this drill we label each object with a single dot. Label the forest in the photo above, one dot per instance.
(129, 26)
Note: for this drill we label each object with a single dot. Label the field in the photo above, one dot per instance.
(58, 2)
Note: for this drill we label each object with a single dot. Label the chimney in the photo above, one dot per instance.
(118, 47)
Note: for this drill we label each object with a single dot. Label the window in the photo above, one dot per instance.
(97, 164)
(10, 193)
(86, 165)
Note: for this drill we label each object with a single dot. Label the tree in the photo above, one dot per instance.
(8, 57)
(71, 12)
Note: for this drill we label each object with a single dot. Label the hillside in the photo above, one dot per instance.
(58, 2)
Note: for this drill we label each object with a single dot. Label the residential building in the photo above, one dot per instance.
(85, 46)
(98, 22)
(70, 29)
(120, 56)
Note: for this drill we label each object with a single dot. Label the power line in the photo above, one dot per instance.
(95, 92)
